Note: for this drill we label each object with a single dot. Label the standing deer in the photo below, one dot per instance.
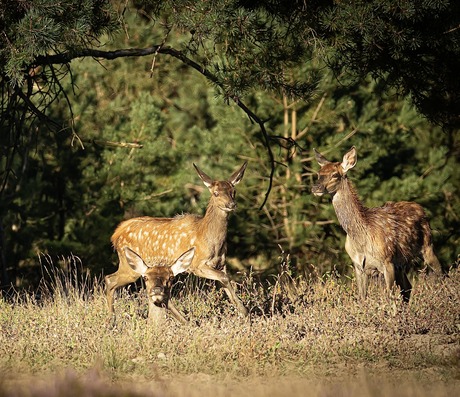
(385, 239)
(162, 240)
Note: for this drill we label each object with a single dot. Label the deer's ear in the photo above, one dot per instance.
(322, 161)
(349, 159)
(135, 261)
(238, 175)
(183, 262)
(205, 178)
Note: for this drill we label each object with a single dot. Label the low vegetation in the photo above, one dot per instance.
(305, 332)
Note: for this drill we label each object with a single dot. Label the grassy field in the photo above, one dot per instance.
(309, 337)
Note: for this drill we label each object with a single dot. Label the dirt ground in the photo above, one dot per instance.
(335, 381)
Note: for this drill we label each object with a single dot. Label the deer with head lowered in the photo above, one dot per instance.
(384, 239)
(164, 240)
(157, 277)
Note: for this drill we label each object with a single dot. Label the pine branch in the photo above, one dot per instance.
(101, 142)
(66, 57)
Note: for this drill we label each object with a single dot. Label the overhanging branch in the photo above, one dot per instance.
(67, 57)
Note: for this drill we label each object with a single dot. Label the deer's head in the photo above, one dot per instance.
(331, 173)
(222, 192)
(158, 279)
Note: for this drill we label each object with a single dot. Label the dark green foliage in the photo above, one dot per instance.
(33, 28)
(63, 192)
(411, 45)
(38, 178)
(243, 48)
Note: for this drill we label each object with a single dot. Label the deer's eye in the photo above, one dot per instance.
(216, 194)
(335, 175)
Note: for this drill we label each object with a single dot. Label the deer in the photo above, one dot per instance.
(161, 240)
(382, 240)
(158, 280)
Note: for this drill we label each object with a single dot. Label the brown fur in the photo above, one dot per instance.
(158, 281)
(160, 241)
(386, 239)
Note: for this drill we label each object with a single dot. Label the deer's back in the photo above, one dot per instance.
(157, 240)
(395, 230)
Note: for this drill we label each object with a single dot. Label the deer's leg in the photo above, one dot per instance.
(361, 279)
(221, 276)
(389, 274)
(123, 276)
(429, 256)
(176, 313)
(114, 281)
(404, 284)
(359, 263)
(431, 259)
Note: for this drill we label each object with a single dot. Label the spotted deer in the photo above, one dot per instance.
(162, 240)
(384, 239)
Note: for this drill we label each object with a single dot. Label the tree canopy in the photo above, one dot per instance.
(105, 104)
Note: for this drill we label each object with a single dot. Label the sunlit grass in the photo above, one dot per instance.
(300, 328)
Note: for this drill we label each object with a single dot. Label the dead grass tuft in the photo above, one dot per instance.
(302, 331)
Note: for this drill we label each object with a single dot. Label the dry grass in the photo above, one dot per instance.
(303, 334)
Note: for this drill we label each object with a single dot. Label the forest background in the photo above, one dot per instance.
(91, 136)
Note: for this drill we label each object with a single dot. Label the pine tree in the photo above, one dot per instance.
(138, 123)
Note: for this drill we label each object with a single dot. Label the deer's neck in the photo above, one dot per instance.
(351, 213)
(214, 227)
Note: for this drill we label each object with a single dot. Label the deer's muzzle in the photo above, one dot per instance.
(157, 294)
(229, 207)
(158, 291)
(318, 190)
